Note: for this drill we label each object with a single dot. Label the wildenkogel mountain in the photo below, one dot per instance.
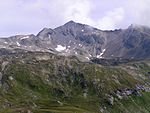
(53, 81)
(84, 41)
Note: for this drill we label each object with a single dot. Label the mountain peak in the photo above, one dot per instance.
(136, 26)
(139, 28)
(70, 22)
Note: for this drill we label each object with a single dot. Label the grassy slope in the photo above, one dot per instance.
(58, 84)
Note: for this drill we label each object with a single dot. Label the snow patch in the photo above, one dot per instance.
(87, 58)
(100, 55)
(90, 55)
(67, 51)
(24, 37)
(49, 36)
(60, 48)
(80, 45)
(6, 42)
(18, 44)
(82, 30)
(76, 53)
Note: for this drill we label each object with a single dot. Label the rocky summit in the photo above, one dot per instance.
(76, 68)
(85, 42)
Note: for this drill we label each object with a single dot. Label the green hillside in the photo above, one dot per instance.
(47, 83)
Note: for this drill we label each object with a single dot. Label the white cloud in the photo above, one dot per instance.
(79, 11)
(139, 11)
(111, 19)
(29, 16)
(60, 12)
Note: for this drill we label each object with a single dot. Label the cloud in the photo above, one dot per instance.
(30, 16)
(139, 11)
(24, 16)
(79, 12)
(111, 19)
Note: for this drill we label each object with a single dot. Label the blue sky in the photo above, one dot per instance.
(30, 16)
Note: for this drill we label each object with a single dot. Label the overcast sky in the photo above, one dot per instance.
(30, 16)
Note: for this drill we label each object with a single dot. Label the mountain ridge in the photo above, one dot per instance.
(85, 41)
(76, 68)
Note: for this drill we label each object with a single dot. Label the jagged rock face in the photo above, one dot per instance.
(85, 41)
(130, 43)
(78, 39)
